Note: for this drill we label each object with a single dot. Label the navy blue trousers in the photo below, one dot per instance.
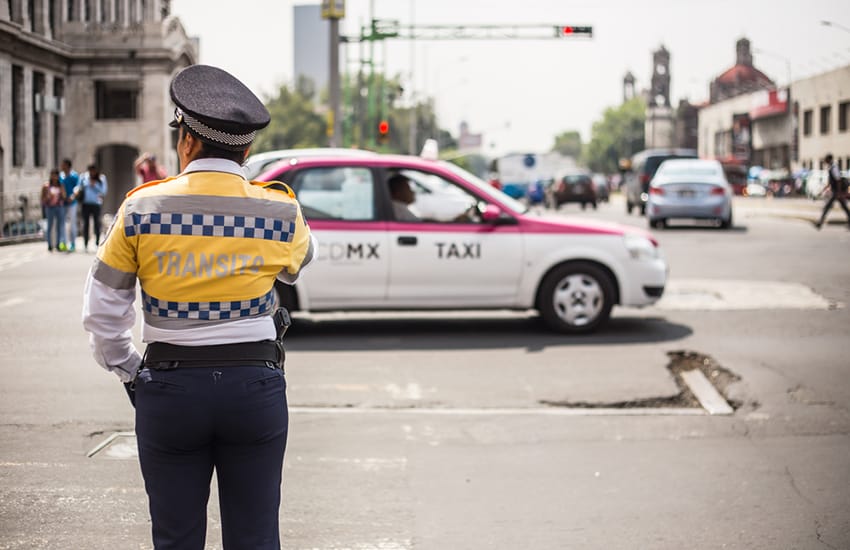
(191, 421)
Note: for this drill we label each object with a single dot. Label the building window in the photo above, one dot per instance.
(807, 122)
(825, 113)
(17, 115)
(37, 108)
(31, 13)
(52, 17)
(116, 99)
(843, 114)
(58, 93)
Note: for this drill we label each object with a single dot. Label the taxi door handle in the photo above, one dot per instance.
(406, 241)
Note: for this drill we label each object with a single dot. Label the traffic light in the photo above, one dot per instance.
(571, 30)
(383, 131)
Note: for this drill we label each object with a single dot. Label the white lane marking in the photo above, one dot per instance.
(411, 391)
(368, 464)
(706, 393)
(13, 302)
(732, 295)
(122, 445)
(554, 411)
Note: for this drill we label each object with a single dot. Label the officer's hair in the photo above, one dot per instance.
(212, 152)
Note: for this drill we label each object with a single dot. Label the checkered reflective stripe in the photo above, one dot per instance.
(208, 311)
(208, 225)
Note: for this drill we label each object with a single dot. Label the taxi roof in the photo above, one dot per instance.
(367, 158)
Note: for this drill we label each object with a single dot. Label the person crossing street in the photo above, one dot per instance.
(839, 192)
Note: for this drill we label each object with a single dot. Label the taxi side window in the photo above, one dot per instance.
(436, 199)
(336, 193)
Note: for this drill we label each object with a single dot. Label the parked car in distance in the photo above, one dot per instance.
(643, 166)
(689, 188)
(603, 191)
(754, 189)
(736, 175)
(572, 187)
(515, 189)
(500, 255)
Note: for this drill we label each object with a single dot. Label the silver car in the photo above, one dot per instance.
(692, 189)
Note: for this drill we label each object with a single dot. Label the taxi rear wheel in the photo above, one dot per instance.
(576, 298)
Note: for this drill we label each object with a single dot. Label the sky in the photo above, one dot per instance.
(521, 93)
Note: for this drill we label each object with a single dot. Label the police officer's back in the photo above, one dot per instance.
(206, 247)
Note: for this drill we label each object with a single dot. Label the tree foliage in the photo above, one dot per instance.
(619, 134)
(294, 121)
(365, 105)
(568, 144)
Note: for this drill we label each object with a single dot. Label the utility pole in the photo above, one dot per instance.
(334, 10)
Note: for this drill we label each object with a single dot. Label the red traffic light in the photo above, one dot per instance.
(383, 127)
(573, 30)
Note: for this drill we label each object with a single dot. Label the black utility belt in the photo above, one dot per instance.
(162, 356)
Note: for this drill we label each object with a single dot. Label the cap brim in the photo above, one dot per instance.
(174, 124)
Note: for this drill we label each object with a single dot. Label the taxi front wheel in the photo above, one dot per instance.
(576, 298)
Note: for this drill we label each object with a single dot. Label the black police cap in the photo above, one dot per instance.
(216, 107)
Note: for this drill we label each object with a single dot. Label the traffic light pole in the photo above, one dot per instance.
(334, 124)
(384, 29)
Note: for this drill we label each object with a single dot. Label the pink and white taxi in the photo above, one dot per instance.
(461, 245)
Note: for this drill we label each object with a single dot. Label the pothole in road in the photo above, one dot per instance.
(690, 395)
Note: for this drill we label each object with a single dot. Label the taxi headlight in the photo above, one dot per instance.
(640, 248)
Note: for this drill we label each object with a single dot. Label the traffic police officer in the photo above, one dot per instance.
(206, 247)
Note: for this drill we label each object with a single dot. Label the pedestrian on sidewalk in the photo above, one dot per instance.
(70, 181)
(206, 247)
(147, 168)
(838, 187)
(93, 187)
(53, 202)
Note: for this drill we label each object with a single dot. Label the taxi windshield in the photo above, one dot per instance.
(485, 188)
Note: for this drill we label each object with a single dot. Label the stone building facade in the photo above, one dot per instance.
(822, 105)
(748, 121)
(85, 80)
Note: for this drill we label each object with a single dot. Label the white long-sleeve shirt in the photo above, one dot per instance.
(110, 293)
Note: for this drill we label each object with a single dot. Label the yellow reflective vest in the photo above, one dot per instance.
(206, 248)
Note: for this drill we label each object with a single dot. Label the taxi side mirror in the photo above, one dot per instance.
(491, 213)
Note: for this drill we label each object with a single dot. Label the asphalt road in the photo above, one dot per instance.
(438, 431)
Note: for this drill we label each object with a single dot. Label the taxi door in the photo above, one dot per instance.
(351, 268)
(449, 257)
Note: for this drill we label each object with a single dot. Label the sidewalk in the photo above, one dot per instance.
(791, 207)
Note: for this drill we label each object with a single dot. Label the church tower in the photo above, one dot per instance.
(659, 131)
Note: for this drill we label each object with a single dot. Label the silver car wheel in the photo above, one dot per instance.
(578, 299)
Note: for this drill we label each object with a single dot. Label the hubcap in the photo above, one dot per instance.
(578, 299)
